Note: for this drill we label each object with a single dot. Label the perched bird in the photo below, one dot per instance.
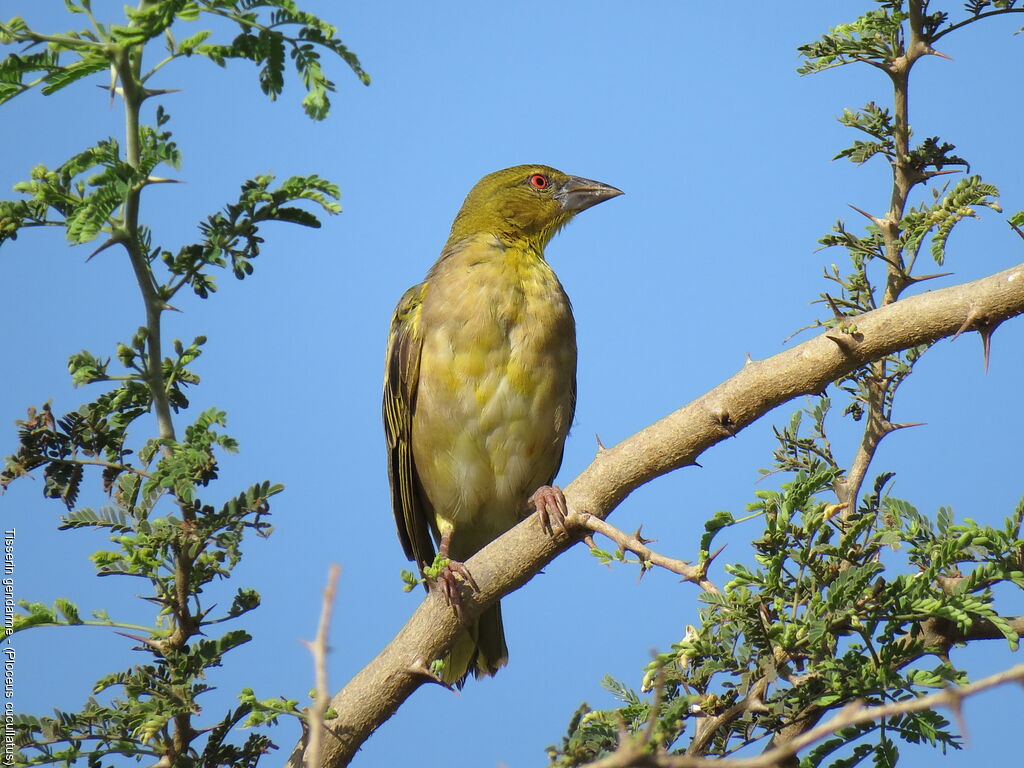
(480, 385)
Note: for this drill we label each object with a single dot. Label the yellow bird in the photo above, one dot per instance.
(480, 385)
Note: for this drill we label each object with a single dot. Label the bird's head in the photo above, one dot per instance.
(527, 202)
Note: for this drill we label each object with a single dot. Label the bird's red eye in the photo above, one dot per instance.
(538, 181)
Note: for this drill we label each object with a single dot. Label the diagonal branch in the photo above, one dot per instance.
(376, 692)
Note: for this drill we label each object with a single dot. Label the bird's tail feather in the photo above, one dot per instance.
(480, 649)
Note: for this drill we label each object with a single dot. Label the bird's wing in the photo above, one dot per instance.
(572, 416)
(401, 380)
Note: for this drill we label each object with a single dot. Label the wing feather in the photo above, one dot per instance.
(401, 378)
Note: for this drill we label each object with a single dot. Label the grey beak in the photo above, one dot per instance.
(578, 194)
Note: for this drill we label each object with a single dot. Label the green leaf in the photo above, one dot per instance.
(64, 76)
(721, 519)
(110, 517)
(68, 610)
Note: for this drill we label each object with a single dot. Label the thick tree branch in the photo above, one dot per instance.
(374, 694)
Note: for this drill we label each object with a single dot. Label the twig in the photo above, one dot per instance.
(318, 648)
(707, 727)
(108, 465)
(635, 543)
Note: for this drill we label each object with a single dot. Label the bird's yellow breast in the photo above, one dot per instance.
(496, 383)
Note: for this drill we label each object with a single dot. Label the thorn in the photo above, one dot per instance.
(922, 278)
(978, 321)
(873, 219)
(932, 174)
(640, 537)
(600, 445)
(958, 715)
(748, 360)
(1016, 229)
(986, 341)
(162, 180)
(845, 341)
(893, 427)
(144, 640)
(835, 309)
(161, 91)
(711, 558)
(940, 54)
(696, 464)
(110, 242)
(170, 308)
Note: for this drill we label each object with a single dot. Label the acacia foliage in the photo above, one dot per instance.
(161, 531)
(850, 593)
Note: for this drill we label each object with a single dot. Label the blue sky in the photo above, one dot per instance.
(697, 113)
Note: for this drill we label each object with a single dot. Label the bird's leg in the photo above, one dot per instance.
(450, 576)
(549, 502)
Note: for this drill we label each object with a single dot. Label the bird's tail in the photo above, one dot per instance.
(479, 649)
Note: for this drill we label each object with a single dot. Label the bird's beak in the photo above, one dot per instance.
(579, 194)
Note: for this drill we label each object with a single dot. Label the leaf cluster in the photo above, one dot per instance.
(263, 42)
(879, 37)
(876, 37)
(850, 595)
(160, 528)
(896, 250)
(819, 620)
(179, 552)
(135, 725)
(178, 555)
(95, 434)
(232, 237)
(84, 194)
(269, 32)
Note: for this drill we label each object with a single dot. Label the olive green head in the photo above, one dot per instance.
(527, 202)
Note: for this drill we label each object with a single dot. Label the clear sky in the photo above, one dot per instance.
(697, 113)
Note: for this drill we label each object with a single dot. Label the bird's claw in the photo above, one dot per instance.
(549, 502)
(448, 580)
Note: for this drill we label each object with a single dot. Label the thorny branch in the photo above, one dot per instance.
(677, 440)
(636, 753)
(637, 544)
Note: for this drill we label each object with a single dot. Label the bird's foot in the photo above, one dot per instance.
(549, 502)
(448, 578)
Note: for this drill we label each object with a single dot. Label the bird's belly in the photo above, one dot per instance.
(493, 408)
